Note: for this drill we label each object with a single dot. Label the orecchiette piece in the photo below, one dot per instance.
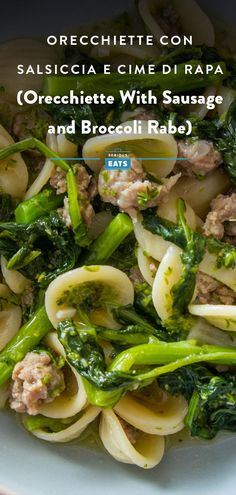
(165, 417)
(142, 146)
(150, 243)
(199, 194)
(146, 452)
(61, 146)
(220, 315)
(13, 170)
(225, 275)
(14, 279)
(74, 431)
(154, 245)
(168, 274)
(119, 290)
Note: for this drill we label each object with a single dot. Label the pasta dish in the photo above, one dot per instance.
(118, 285)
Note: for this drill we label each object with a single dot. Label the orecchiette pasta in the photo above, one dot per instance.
(220, 315)
(147, 266)
(224, 275)
(153, 245)
(168, 274)
(74, 431)
(164, 417)
(13, 170)
(199, 194)
(142, 146)
(60, 145)
(71, 284)
(146, 452)
(14, 279)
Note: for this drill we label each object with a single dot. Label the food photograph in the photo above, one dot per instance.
(118, 248)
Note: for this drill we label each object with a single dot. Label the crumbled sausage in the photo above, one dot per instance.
(64, 213)
(87, 190)
(221, 220)
(27, 297)
(130, 190)
(201, 157)
(36, 380)
(58, 181)
(210, 291)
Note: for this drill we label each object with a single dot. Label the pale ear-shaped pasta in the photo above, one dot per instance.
(225, 275)
(168, 274)
(144, 264)
(24, 51)
(141, 145)
(164, 418)
(13, 170)
(220, 315)
(199, 193)
(119, 289)
(74, 431)
(66, 404)
(201, 109)
(132, 51)
(61, 146)
(205, 333)
(153, 245)
(10, 320)
(47, 170)
(156, 247)
(228, 95)
(14, 279)
(65, 147)
(147, 451)
(190, 14)
(168, 210)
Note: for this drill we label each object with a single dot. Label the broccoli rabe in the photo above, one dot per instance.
(132, 367)
(41, 250)
(211, 396)
(225, 253)
(212, 406)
